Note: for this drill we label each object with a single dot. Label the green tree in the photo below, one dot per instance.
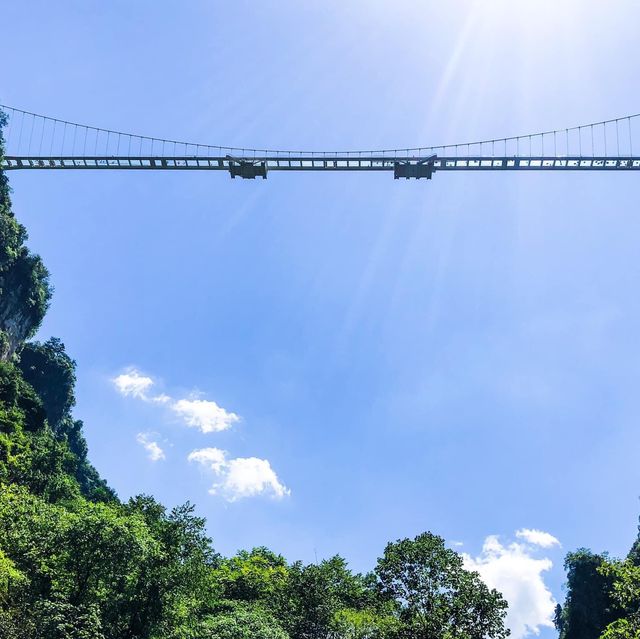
(256, 575)
(634, 553)
(42, 384)
(589, 605)
(241, 620)
(437, 597)
(626, 594)
(173, 585)
(59, 619)
(19, 397)
(29, 453)
(368, 623)
(52, 374)
(46, 466)
(11, 580)
(124, 572)
(316, 593)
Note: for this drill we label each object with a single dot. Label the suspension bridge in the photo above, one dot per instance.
(38, 142)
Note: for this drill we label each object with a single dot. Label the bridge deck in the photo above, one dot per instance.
(236, 165)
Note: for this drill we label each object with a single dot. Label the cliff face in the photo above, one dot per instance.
(24, 281)
(15, 329)
(24, 296)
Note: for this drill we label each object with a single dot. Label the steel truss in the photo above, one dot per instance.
(258, 167)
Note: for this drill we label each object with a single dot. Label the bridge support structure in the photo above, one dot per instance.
(249, 170)
(420, 169)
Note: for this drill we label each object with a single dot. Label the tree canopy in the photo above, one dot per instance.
(437, 598)
(603, 597)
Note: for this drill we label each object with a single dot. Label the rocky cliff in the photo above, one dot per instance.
(24, 280)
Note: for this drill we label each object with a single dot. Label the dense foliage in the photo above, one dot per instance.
(589, 607)
(603, 596)
(78, 563)
(438, 598)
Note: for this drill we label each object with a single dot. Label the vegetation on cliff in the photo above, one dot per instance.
(24, 281)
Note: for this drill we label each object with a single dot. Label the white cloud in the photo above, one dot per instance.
(155, 453)
(512, 570)
(133, 383)
(203, 414)
(213, 457)
(250, 476)
(537, 537)
(199, 413)
(240, 477)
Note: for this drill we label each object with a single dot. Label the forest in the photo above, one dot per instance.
(77, 562)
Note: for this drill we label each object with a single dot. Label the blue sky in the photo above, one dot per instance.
(458, 355)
